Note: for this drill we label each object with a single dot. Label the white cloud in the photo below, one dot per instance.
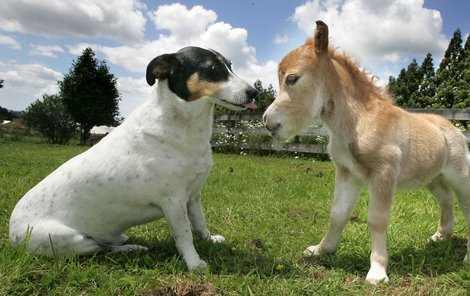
(121, 20)
(10, 42)
(45, 50)
(281, 39)
(133, 92)
(25, 83)
(376, 31)
(199, 28)
(193, 26)
(205, 32)
(190, 22)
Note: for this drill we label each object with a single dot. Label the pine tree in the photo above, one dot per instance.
(463, 90)
(405, 87)
(423, 98)
(89, 93)
(450, 72)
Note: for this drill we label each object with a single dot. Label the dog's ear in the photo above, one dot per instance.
(321, 37)
(160, 67)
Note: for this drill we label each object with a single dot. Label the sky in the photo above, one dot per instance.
(39, 40)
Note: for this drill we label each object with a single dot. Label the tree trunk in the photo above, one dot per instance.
(84, 134)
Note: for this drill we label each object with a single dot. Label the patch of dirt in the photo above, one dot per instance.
(295, 213)
(183, 288)
(256, 243)
(310, 260)
(309, 170)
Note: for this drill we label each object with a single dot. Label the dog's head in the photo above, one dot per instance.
(194, 73)
(302, 74)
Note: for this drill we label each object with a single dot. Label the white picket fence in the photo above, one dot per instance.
(239, 125)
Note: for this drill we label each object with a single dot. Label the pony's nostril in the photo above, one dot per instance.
(273, 127)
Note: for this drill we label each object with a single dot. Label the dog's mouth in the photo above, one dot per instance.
(248, 105)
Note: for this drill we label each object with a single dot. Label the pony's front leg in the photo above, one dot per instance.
(381, 190)
(347, 189)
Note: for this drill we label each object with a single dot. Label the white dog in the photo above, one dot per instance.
(152, 166)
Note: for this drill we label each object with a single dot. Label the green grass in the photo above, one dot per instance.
(269, 209)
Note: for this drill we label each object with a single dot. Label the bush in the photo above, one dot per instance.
(51, 119)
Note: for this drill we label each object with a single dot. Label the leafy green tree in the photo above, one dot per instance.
(51, 119)
(89, 93)
(265, 96)
(5, 114)
(450, 72)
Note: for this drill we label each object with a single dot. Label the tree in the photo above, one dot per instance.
(51, 119)
(462, 93)
(1, 83)
(265, 96)
(89, 93)
(450, 72)
(424, 96)
(405, 87)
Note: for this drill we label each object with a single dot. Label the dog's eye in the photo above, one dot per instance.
(291, 79)
(214, 67)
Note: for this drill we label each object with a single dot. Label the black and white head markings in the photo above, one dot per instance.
(194, 73)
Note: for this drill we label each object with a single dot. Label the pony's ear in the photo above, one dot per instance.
(321, 37)
(160, 67)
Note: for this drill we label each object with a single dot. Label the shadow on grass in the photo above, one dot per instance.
(430, 260)
(234, 258)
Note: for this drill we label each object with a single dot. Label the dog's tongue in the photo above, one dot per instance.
(251, 106)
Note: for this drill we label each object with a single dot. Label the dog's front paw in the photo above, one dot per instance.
(312, 251)
(216, 239)
(200, 265)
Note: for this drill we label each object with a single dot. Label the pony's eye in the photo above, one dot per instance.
(291, 79)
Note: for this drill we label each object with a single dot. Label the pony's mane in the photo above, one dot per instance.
(362, 79)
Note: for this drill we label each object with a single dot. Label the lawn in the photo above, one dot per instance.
(269, 209)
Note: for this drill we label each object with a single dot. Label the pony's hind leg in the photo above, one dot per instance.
(445, 199)
(459, 181)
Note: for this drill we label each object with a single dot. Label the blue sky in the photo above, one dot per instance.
(40, 39)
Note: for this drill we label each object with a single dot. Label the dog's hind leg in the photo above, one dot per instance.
(198, 221)
(347, 190)
(445, 199)
(52, 238)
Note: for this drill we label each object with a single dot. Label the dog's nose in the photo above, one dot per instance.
(251, 93)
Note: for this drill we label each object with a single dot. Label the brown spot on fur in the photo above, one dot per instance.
(200, 88)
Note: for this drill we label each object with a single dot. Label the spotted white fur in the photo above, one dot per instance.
(152, 166)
